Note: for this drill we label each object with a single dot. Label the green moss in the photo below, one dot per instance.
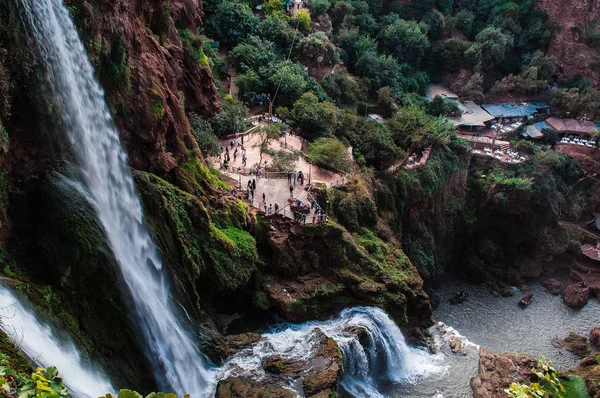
(12, 359)
(193, 44)
(234, 256)
(194, 174)
(261, 301)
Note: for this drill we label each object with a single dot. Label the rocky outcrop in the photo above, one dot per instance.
(575, 21)
(316, 376)
(315, 271)
(153, 74)
(595, 337)
(574, 343)
(553, 285)
(498, 371)
(576, 296)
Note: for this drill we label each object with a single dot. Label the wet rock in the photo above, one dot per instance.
(456, 344)
(574, 343)
(553, 285)
(278, 365)
(316, 376)
(241, 341)
(576, 296)
(241, 387)
(324, 369)
(498, 372)
(595, 337)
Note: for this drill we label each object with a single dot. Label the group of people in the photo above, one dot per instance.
(319, 215)
(237, 147)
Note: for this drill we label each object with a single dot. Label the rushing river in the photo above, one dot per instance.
(498, 324)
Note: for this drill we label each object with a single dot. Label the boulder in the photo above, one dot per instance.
(576, 296)
(240, 341)
(276, 364)
(595, 337)
(324, 369)
(553, 285)
(574, 343)
(498, 372)
(241, 387)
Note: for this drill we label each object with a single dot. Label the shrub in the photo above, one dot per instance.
(329, 152)
(203, 133)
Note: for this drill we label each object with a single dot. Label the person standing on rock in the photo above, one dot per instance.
(291, 191)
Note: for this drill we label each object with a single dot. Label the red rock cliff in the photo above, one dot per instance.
(151, 77)
(575, 19)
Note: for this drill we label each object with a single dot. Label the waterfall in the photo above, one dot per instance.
(178, 363)
(41, 344)
(383, 360)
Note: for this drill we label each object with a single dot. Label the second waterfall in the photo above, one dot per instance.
(179, 365)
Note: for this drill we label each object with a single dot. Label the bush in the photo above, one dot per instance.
(204, 135)
(329, 153)
(319, 7)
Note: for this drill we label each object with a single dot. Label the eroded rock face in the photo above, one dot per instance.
(568, 44)
(150, 77)
(553, 285)
(576, 296)
(498, 372)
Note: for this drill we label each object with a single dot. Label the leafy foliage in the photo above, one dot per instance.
(548, 384)
(329, 153)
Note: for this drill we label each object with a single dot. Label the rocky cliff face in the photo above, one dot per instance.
(575, 21)
(150, 62)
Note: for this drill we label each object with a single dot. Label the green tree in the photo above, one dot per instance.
(440, 107)
(204, 135)
(316, 49)
(329, 153)
(318, 118)
(492, 45)
(231, 22)
(249, 84)
(545, 64)
(375, 144)
(386, 101)
(252, 54)
(406, 41)
(291, 78)
(276, 28)
(231, 119)
(434, 24)
(301, 20)
(319, 7)
(266, 135)
(273, 6)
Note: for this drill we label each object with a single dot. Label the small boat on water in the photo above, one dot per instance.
(459, 297)
(525, 301)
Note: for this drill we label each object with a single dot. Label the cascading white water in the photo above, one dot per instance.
(179, 365)
(42, 345)
(386, 359)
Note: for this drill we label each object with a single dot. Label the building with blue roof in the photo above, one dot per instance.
(517, 110)
(535, 130)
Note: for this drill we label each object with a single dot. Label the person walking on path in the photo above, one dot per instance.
(291, 191)
(301, 178)
(294, 175)
(254, 184)
(264, 198)
(266, 208)
(289, 177)
(270, 208)
(276, 208)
